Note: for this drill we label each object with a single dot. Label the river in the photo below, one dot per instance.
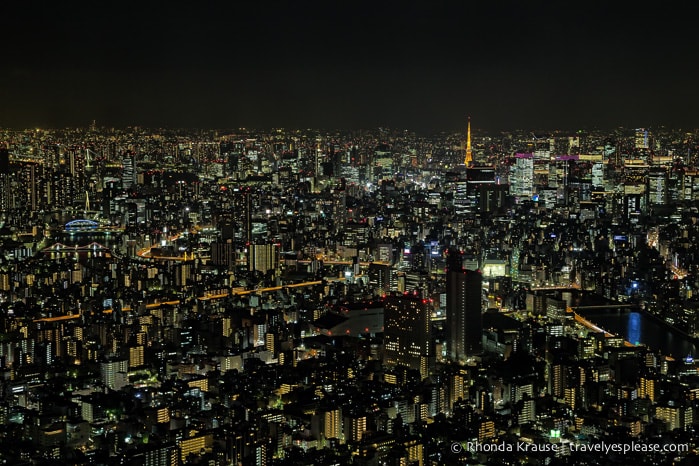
(639, 327)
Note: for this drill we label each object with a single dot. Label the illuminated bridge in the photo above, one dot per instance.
(85, 225)
(92, 248)
(206, 297)
(81, 224)
(591, 326)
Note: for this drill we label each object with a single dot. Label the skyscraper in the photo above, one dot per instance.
(4, 161)
(642, 139)
(128, 174)
(464, 317)
(522, 177)
(263, 257)
(658, 186)
(408, 333)
(243, 206)
(6, 200)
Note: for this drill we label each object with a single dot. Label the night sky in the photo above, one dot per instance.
(422, 66)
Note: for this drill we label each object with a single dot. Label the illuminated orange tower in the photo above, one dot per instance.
(468, 160)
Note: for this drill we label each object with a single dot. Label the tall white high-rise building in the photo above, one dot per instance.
(128, 174)
(522, 177)
(598, 174)
(642, 139)
(658, 186)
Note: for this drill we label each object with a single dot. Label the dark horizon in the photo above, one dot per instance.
(415, 65)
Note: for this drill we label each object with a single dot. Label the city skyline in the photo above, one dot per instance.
(418, 66)
(294, 297)
(278, 233)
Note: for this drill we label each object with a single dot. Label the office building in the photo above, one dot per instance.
(464, 317)
(263, 257)
(407, 333)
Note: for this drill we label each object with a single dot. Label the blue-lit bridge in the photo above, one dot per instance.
(82, 225)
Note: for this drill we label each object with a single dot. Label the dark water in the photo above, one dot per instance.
(638, 327)
(84, 238)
